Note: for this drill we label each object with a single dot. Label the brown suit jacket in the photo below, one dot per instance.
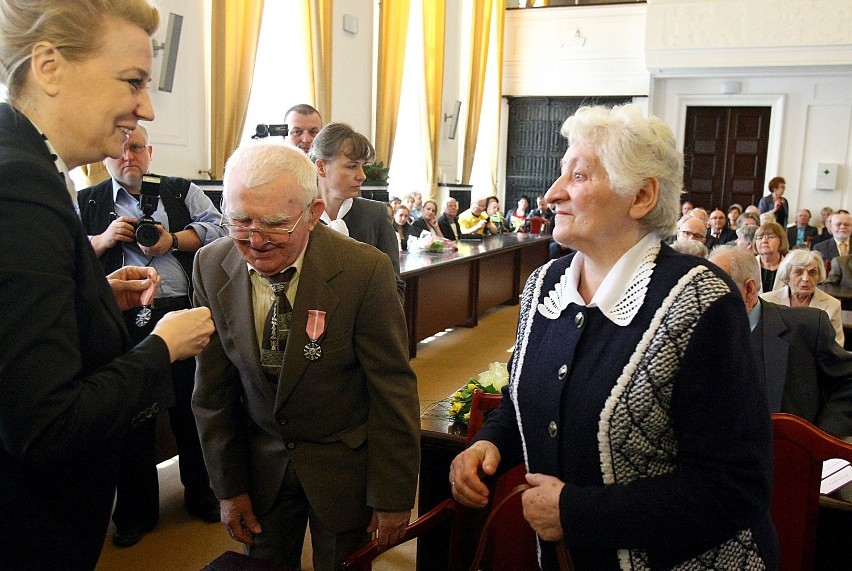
(349, 421)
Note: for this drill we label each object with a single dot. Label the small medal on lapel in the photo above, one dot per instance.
(144, 316)
(315, 328)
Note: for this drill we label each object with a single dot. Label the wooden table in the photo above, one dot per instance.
(448, 289)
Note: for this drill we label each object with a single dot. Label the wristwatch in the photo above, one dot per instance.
(175, 243)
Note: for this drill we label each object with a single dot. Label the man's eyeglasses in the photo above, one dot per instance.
(692, 235)
(242, 233)
(136, 149)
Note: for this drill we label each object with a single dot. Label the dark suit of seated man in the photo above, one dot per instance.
(805, 371)
(802, 233)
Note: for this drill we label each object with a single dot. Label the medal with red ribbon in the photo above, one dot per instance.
(315, 328)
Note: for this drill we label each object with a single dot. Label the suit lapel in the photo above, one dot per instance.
(319, 265)
(775, 353)
(235, 295)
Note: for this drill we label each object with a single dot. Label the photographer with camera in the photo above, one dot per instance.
(138, 219)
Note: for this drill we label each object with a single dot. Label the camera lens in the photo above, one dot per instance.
(147, 234)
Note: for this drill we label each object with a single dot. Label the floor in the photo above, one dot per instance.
(181, 543)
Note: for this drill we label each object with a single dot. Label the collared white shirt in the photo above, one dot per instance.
(622, 292)
(339, 224)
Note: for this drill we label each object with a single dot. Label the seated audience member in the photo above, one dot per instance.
(686, 208)
(802, 235)
(402, 227)
(750, 219)
(519, 217)
(394, 202)
(428, 220)
(474, 221)
(734, 213)
(838, 245)
(691, 228)
(717, 231)
(691, 247)
(304, 124)
(340, 153)
(447, 221)
(824, 227)
(800, 272)
(543, 210)
(745, 237)
(492, 209)
(770, 245)
(417, 206)
(752, 209)
(408, 202)
(804, 370)
(768, 217)
(775, 202)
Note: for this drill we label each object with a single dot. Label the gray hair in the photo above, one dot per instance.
(336, 139)
(691, 247)
(632, 149)
(256, 164)
(747, 233)
(743, 263)
(74, 28)
(800, 259)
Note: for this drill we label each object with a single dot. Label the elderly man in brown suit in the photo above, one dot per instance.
(319, 421)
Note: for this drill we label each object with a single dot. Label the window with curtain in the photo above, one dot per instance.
(411, 145)
(282, 73)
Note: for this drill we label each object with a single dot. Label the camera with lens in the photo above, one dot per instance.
(147, 233)
(262, 131)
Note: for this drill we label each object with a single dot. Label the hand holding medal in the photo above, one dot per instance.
(134, 286)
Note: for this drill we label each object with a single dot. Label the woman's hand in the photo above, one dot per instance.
(186, 332)
(466, 472)
(541, 505)
(133, 286)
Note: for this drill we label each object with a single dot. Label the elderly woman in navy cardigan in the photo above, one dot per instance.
(644, 431)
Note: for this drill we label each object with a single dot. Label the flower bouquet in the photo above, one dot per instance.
(490, 381)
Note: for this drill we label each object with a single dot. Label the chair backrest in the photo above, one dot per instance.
(511, 540)
(536, 224)
(800, 449)
(480, 403)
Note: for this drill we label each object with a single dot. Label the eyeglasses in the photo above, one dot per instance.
(241, 233)
(692, 235)
(767, 237)
(136, 149)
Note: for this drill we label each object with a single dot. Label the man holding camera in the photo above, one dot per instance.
(139, 220)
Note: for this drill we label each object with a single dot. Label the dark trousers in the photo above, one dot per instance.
(138, 495)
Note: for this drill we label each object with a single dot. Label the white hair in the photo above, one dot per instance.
(255, 164)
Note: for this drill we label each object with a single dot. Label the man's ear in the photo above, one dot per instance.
(46, 65)
(751, 292)
(645, 200)
(315, 210)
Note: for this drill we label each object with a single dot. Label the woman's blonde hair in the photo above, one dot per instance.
(75, 28)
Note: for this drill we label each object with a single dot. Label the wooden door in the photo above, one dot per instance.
(725, 152)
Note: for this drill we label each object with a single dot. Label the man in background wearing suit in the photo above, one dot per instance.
(802, 234)
(805, 371)
(838, 244)
(717, 231)
(323, 428)
(303, 125)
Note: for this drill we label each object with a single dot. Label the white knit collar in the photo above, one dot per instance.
(622, 292)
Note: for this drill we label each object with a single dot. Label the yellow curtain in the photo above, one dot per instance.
(235, 27)
(321, 16)
(433, 51)
(483, 12)
(393, 28)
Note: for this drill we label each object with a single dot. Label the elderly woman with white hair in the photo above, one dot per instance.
(800, 272)
(645, 432)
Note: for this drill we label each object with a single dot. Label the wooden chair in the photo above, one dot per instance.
(800, 449)
(511, 541)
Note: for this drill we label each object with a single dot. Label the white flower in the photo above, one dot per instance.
(497, 376)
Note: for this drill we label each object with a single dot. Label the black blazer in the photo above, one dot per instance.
(793, 233)
(803, 366)
(828, 249)
(447, 227)
(725, 236)
(71, 383)
(368, 222)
